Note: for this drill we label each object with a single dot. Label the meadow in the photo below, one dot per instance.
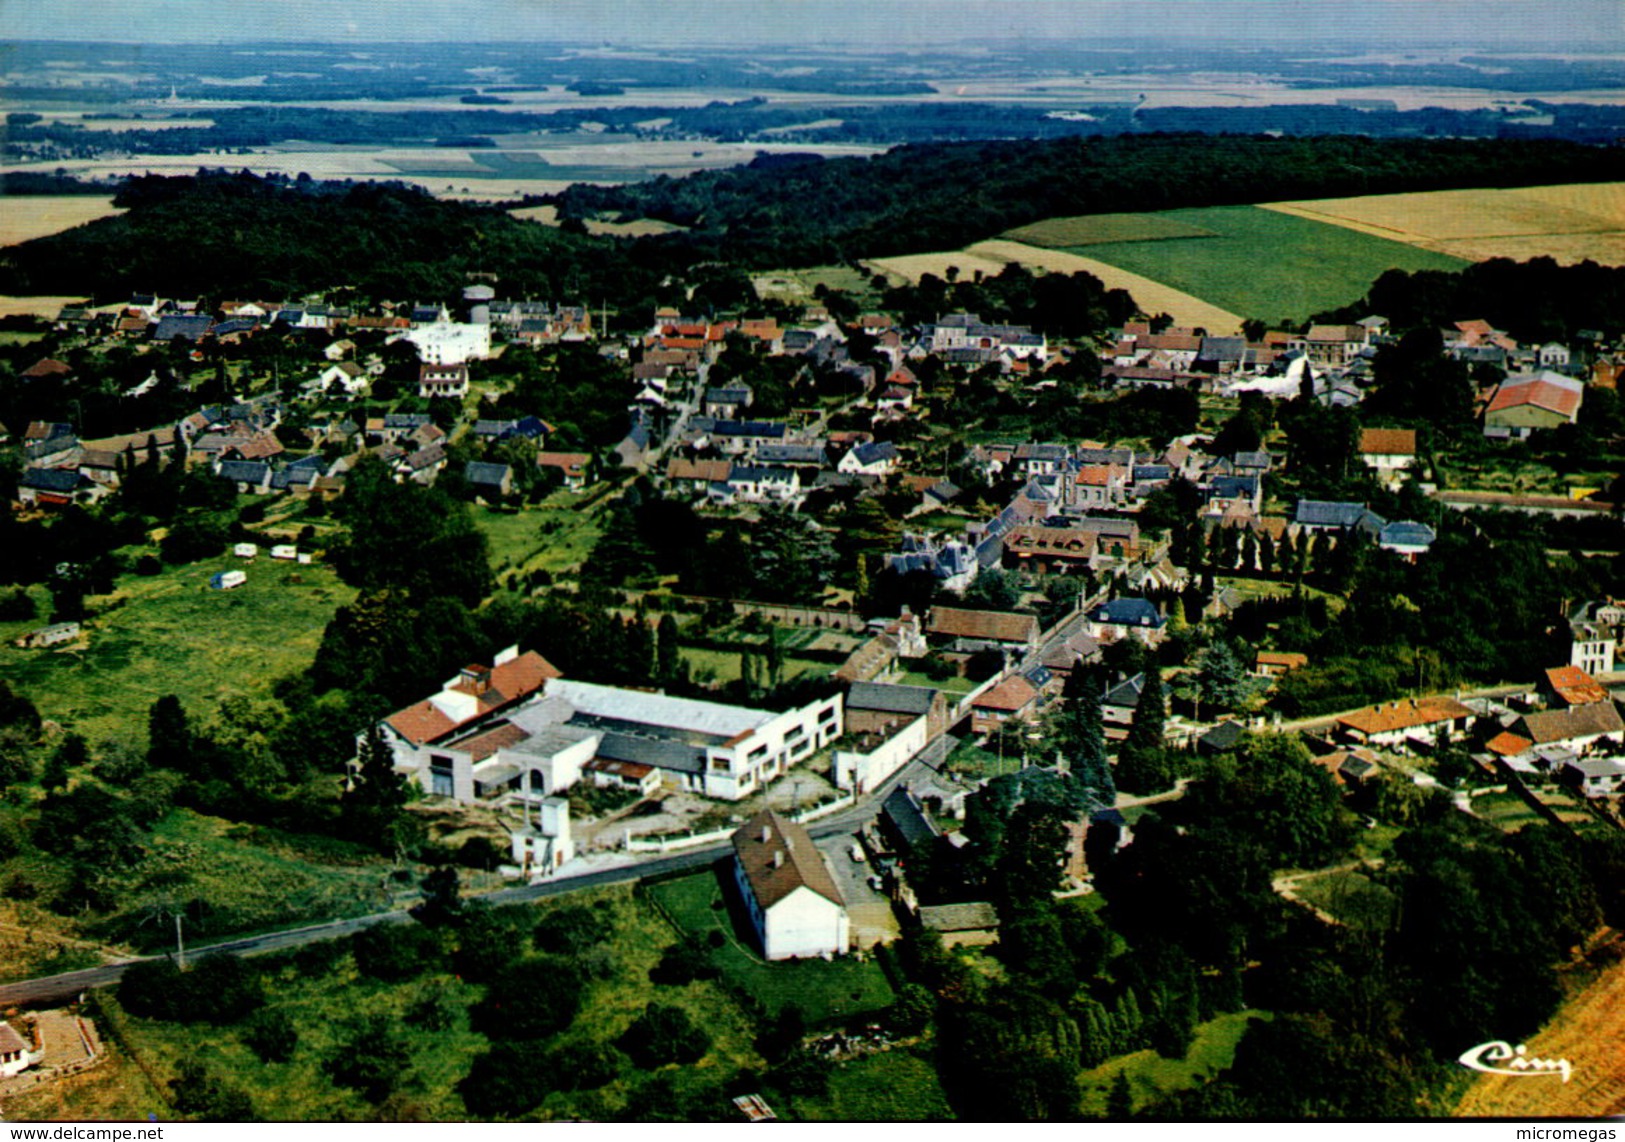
(1266, 263)
(1150, 1076)
(554, 536)
(171, 634)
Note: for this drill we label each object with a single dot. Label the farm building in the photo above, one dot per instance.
(1527, 402)
(790, 895)
(15, 1055)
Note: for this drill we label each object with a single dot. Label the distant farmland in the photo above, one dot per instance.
(23, 217)
(1567, 223)
(1246, 260)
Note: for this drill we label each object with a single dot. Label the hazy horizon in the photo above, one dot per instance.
(1574, 26)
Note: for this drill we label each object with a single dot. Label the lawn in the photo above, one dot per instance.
(954, 685)
(114, 1090)
(1350, 896)
(555, 536)
(1151, 1076)
(799, 286)
(1265, 263)
(323, 1002)
(708, 665)
(974, 761)
(893, 1086)
(825, 991)
(171, 634)
(1506, 811)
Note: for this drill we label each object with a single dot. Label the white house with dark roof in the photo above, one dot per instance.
(790, 895)
(15, 1053)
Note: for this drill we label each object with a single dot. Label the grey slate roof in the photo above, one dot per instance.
(481, 472)
(675, 756)
(1128, 612)
(61, 480)
(890, 699)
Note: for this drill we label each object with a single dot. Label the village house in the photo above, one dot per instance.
(1573, 727)
(1389, 453)
(16, 1054)
(1408, 722)
(1594, 631)
(971, 630)
(345, 377)
(1276, 663)
(875, 459)
(1122, 618)
(1594, 777)
(572, 466)
(1528, 402)
(1118, 702)
(882, 708)
(443, 380)
(794, 904)
(1014, 699)
(495, 480)
(1571, 686)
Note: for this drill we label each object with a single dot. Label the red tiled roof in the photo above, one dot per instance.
(1013, 694)
(1289, 659)
(1575, 686)
(1508, 744)
(421, 722)
(482, 745)
(1405, 715)
(46, 367)
(1541, 394)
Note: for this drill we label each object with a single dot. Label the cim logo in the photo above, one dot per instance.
(1517, 1061)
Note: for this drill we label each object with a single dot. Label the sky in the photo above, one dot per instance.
(1580, 25)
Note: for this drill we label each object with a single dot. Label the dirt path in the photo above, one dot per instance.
(1588, 1031)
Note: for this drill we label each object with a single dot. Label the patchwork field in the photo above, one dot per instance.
(1263, 263)
(1587, 1031)
(35, 216)
(1567, 223)
(991, 257)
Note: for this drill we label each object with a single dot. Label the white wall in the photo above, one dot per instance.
(864, 771)
(806, 924)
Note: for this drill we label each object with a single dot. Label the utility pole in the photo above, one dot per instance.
(180, 944)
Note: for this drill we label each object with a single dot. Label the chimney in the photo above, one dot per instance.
(767, 833)
(778, 858)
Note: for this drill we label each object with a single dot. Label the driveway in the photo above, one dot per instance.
(873, 921)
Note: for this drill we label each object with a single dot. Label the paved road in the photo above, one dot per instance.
(65, 986)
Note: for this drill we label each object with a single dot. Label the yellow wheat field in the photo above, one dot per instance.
(1567, 223)
(1589, 1031)
(992, 256)
(35, 216)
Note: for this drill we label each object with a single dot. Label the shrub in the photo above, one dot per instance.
(395, 952)
(533, 999)
(505, 1082)
(683, 963)
(663, 1034)
(271, 1035)
(17, 606)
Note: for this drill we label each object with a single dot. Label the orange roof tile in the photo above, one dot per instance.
(1540, 394)
(1013, 694)
(1388, 441)
(1508, 744)
(1575, 686)
(1409, 714)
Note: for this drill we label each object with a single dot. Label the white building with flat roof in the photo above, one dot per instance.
(450, 342)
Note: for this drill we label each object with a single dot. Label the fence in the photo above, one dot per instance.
(672, 844)
(824, 810)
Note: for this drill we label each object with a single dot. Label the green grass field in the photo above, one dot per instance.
(1352, 897)
(894, 1086)
(555, 536)
(1151, 1076)
(171, 634)
(824, 991)
(1100, 229)
(1262, 263)
(798, 286)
